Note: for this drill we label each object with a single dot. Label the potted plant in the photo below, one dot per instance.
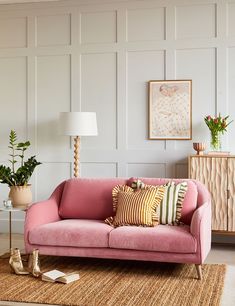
(17, 178)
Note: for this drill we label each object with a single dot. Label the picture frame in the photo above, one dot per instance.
(170, 109)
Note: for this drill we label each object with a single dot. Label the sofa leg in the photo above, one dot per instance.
(199, 271)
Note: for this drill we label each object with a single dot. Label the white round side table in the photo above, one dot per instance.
(10, 210)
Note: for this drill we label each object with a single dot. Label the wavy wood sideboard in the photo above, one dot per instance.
(218, 174)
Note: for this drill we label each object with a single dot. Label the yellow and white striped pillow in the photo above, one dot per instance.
(135, 207)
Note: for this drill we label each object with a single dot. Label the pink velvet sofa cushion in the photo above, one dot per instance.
(72, 233)
(190, 199)
(161, 238)
(87, 198)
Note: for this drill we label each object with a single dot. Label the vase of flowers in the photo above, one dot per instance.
(217, 127)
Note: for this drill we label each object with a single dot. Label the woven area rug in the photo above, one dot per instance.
(112, 282)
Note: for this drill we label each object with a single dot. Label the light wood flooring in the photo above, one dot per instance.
(219, 254)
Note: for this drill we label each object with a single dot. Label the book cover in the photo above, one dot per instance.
(220, 153)
(61, 277)
(68, 278)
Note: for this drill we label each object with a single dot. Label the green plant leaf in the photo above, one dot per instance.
(23, 145)
(6, 176)
(12, 138)
(22, 175)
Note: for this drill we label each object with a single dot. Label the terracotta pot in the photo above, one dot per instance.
(199, 147)
(21, 196)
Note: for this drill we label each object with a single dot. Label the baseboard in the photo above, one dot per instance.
(223, 239)
(17, 226)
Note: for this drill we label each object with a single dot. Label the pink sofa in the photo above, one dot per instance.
(71, 223)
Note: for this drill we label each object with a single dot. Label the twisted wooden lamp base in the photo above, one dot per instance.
(76, 155)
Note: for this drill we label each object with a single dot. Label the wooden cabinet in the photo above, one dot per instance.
(218, 174)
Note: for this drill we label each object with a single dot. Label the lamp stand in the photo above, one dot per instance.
(76, 155)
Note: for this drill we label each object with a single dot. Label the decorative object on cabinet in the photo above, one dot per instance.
(217, 126)
(217, 173)
(170, 109)
(18, 179)
(78, 124)
(199, 147)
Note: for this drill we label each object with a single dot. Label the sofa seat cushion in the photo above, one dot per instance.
(161, 238)
(73, 233)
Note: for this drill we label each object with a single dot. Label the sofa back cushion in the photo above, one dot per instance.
(190, 199)
(88, 198)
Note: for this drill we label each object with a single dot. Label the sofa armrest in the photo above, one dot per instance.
(200, 228)
(43, 212)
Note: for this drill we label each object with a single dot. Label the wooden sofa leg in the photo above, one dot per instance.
(199, 271)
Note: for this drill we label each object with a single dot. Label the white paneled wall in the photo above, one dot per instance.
(98, 56)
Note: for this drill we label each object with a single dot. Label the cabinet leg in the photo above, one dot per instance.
(199, 271)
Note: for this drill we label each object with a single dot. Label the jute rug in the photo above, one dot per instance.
(112, 282)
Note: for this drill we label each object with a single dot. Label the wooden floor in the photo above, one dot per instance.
(219, 254)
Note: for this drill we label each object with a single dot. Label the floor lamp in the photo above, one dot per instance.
(77, 124)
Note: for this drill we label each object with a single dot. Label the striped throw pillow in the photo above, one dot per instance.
(135, 207)
(169, 211)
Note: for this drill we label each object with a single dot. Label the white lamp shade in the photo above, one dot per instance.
(78, 124)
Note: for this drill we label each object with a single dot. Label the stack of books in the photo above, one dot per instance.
(220, 153)
(60, 277)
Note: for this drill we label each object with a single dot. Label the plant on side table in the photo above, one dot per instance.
(18, 178)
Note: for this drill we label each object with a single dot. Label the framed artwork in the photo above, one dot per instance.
(170, 109)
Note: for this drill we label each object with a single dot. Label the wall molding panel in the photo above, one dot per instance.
(97, 56)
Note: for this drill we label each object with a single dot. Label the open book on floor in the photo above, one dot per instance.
(60, 277)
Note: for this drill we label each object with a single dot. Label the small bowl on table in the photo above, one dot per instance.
(199, 147)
